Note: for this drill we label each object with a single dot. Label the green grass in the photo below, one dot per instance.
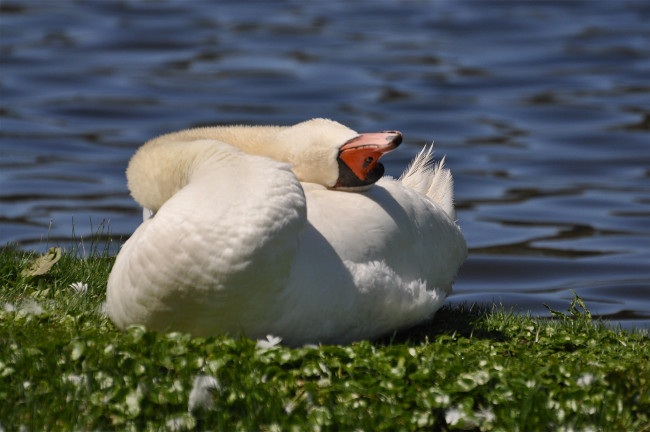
(64, 366)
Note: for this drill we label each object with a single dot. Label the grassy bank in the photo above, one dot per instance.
(64, 366)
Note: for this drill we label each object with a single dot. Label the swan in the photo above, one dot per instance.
(291, 231)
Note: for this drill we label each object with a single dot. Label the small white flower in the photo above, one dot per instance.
(288, 408)
(270, 342)
(453, 416)
(585, 380)
(201, 396)
(79, 287)
(9, 307)
(74, 379)
(486, 415)
(591, 411)
(179, 423)
(32, 307)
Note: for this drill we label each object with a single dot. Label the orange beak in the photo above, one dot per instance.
(361, 156)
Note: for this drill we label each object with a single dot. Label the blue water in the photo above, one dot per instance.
(542, 109)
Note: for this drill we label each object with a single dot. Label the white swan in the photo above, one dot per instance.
(251, 235)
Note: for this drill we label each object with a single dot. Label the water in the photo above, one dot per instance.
(543, 111)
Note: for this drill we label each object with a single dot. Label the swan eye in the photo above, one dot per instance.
(367, 162)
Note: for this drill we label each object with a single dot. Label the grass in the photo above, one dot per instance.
(64, 366)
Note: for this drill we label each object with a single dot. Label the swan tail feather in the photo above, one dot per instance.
(431, 179)
(417, 174)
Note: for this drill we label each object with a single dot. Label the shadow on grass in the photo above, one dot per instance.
(459, 320)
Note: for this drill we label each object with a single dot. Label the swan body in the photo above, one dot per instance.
(255, 232)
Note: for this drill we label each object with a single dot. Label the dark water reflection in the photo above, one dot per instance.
(543, 111)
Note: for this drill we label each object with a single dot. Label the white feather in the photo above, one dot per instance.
(433, 180)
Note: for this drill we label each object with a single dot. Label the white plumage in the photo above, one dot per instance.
(245, 244)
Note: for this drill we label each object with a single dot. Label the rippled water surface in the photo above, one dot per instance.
(543, 111)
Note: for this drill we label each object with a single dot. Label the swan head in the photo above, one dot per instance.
(329, 153)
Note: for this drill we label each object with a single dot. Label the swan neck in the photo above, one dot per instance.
(256, 140)
(156, 172)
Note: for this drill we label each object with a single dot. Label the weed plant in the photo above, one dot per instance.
(64, 366)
